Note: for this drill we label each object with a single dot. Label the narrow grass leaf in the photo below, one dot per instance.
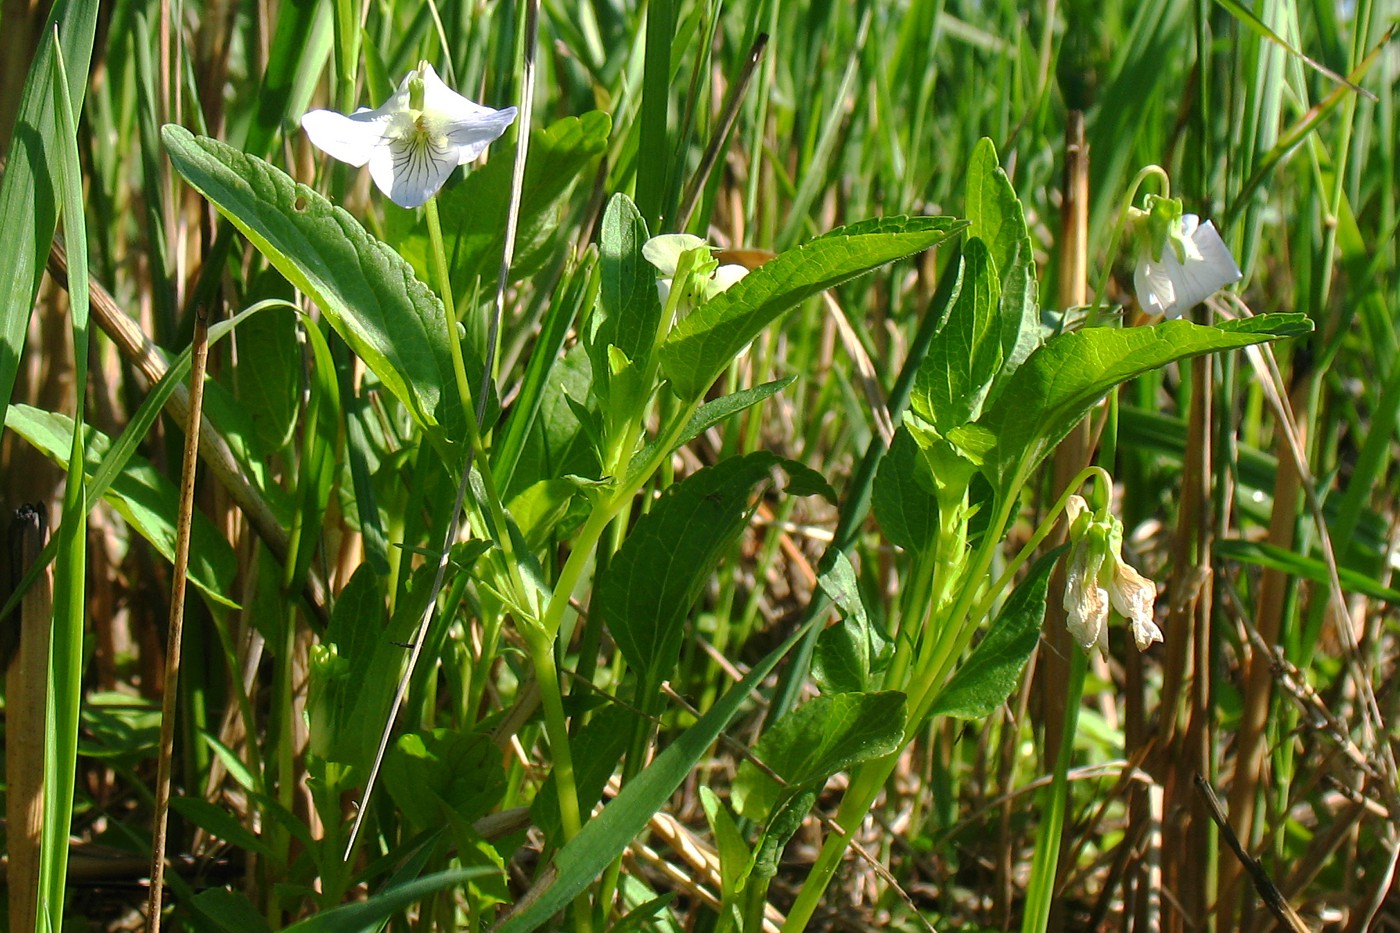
(142, 495)
(64, 700)
(355, 918)
(604, 837)
(28, 196)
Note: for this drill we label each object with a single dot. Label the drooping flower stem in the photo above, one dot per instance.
(1129, 196)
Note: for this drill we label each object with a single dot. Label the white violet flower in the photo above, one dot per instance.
(665, 251)
(1181, 261)
(415, 140)
(1097, 577)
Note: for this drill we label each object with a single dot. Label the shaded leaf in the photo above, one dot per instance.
(813, 742)
(144, 497)
(984, 681)
(648, 588)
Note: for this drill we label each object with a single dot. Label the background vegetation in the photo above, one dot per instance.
(1268, 518)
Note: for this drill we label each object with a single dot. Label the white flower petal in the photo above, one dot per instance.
(1216, 268)
(411, 170)
(350, 138)
(1170, 287)
(1086, 603)
(1145, 632)
(1135, 596)
(1156, 290)
(663, 290)
(727, 275)
(665, 251)
(471, 135)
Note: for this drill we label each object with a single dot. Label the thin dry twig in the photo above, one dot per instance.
(1268, 891)
(175, 633)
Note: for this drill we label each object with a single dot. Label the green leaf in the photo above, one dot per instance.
(354, 918)
(270, 391)
(733, 852)
(604, 837)
(597, 749)
(226, 911)
(701, 346)
(220, 822)
(906, 510)
(628, 310)
(715, 412)
(647, 591)
(984, 681)
(966, 354)
(144, 497)
(1069, 375)
(28, 190)
(431, 775)
(539, 509)
(851, 651)
(996, 217)
(366, 290)
(813, 742)
(560, 441)
(1261, 554)
(340, 672)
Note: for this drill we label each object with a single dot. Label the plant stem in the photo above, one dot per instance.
(541, 648)
(1041, 893)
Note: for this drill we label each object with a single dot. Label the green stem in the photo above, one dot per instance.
(523, 595)
(541, 649)
(1041, 893)
(1142, 176)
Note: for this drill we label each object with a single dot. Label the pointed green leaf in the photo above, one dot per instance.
(628, 310)
(987, 677)
(966, 354)
(701, 346)
(904, 507)
(647, 591)
(28, 189)
(995, 216)
(1069, 375)
(355, 918)
(813, 742)
(851, 651)
(366, 290)
(441, 773)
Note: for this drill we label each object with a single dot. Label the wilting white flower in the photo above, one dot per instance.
(1181, 261)
(665, 251)
(415, 141)
(1097, 577)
